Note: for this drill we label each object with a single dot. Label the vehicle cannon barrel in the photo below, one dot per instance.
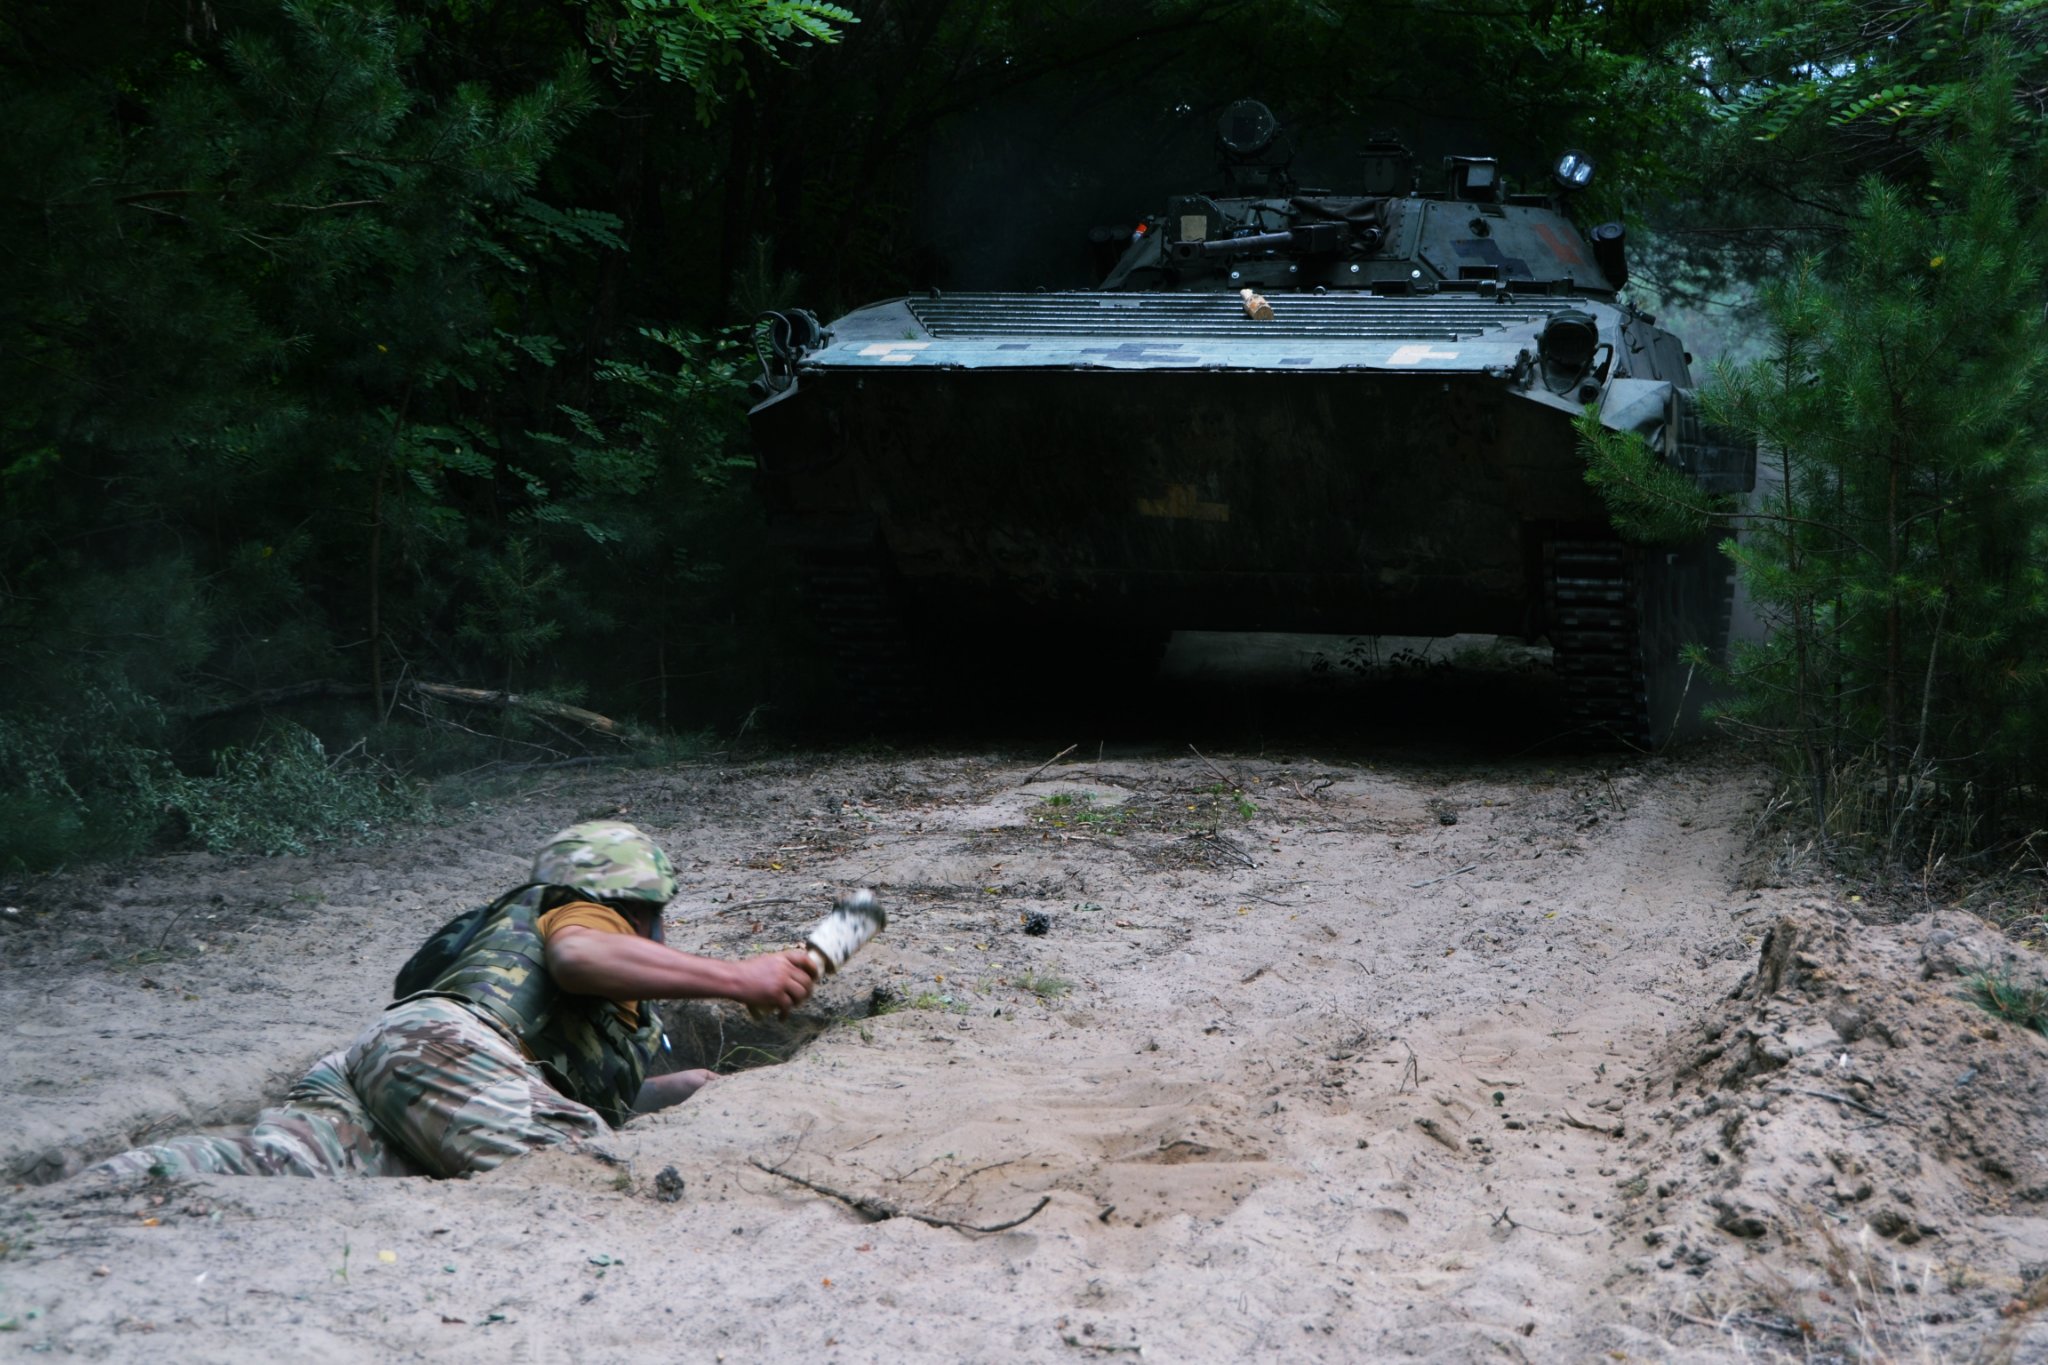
(1309, 239)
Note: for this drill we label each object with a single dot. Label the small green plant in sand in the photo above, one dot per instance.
(1243, 804)
(1045, 985)
(2016, 1003)
(889, 1002)
(1063, 809)
(1218, 802)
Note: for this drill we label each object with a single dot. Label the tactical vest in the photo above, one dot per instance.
(586, 1049)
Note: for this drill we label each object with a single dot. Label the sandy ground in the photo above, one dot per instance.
(1530, 1058)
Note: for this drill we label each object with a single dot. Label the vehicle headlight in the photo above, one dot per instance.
(1574, 171)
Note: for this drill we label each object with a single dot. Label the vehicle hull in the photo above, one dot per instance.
(1227, 501)
(1112, 467)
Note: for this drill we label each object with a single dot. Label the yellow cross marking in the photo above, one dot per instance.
(1182, 504)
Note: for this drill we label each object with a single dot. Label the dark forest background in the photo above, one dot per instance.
(355, 352)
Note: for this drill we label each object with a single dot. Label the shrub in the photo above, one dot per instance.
(277, 795)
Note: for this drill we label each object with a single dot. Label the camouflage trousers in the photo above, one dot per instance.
(431, 1088)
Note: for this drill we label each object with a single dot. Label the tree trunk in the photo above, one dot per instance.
(376, 599)
(376, 569)
(1893, 646)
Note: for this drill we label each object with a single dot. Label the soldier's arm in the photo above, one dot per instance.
(585, 961)
(659, 1092)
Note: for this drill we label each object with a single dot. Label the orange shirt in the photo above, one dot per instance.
(591, 915)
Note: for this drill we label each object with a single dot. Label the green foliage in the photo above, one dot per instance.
(1047, 986)
(82, 779)
(678, 432)
(1851, 77)
(306, 383)
(1900, 555)
(702, 45)
(285, 791)
(90, 782)
(1079, 808)
(1245, 807)
(1798, 102)
(2000, 994)
(923, 1000)
(1893, 104)
(1649, 500)
(254, 281)
(509, 613)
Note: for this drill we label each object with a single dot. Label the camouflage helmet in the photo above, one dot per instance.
(607, 860)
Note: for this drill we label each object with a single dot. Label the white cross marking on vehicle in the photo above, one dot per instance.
(895, 350)
(1408, 355)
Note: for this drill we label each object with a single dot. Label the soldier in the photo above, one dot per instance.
(533, 1036)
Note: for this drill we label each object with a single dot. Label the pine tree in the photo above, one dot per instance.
(1900, 555)
(258, 281)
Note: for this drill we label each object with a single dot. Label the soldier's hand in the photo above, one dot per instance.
(777, 981)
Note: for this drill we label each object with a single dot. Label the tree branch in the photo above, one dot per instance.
(469, 696)
(881, 1210)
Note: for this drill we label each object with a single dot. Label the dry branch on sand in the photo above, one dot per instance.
(881, 1210)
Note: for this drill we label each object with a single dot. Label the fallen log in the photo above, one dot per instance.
(477, 696)
(467, 696)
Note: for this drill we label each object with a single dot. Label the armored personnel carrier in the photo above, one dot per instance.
(1284, 409)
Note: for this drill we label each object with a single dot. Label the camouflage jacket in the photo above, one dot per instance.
(580, 1042)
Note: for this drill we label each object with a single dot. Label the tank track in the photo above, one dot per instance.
(1595, 606)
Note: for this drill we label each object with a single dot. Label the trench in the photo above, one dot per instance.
(728, 1039)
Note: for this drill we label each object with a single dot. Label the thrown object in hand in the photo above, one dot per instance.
(856, 917)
